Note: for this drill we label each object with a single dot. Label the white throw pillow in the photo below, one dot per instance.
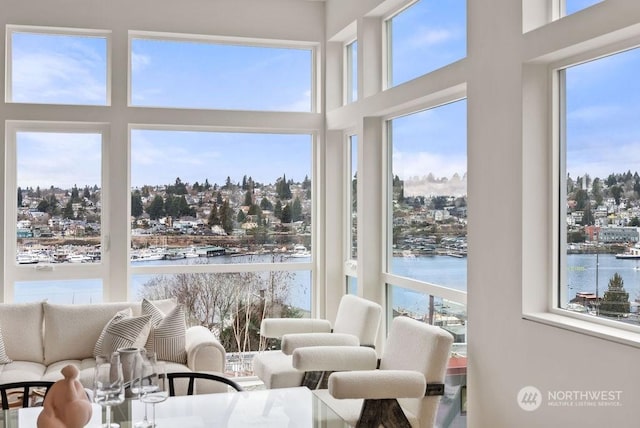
(167, 337)
(22, 331)
(123, 331)
(72, 330)
(4, 358)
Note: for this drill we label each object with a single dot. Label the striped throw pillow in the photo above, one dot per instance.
(4, 358)
(167, 337)
(123, 331)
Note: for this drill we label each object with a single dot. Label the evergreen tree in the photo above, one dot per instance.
(596, 191)
(219, 201)
(254, 209)
(156, 208)
(296, 210)
(248, 198)
(75, 194)
(616, 192)
(213, 216)
(306, 183)
(265, 205)
(283, 189)
(19, 197)
(171, 206)
(86, 193)
(244, 183)
(286, 214)
(207, 186)
(277, 211)
(136, 204)
(615, 302)
(183, 207)
(49, 205)
(68, 210)
(241, 218)
(226, 217)
(178, 188)
(227, 184)
(582, 199)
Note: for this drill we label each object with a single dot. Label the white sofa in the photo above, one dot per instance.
(41, 338)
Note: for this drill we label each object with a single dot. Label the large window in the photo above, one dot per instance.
(202, 74)
(428, 196)
(220, 197)
(59, 194)
(424, 37)
(600, 210)
(64, 67)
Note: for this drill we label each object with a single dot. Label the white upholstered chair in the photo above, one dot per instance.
(403, 393)
(357, 322)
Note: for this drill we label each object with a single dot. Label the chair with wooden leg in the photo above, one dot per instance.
(404, 392)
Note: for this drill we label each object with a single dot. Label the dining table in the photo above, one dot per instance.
(275, 408)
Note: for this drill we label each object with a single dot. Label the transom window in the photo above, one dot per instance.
(427, 35)
(207, 75)
(58, 66)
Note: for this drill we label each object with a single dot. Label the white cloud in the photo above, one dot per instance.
(591, 113)
(139, 61)
(427, 37)
(51, 77)
(420, 164)
(77, 160)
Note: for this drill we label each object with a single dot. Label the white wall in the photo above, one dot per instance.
(510, 221)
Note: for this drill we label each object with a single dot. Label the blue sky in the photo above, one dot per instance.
(428, 35)
(603, 97)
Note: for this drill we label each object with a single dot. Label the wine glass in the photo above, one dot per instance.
(156, 391)
(141, 380)
(108, 385)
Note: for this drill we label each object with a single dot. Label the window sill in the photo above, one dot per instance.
(614, 334)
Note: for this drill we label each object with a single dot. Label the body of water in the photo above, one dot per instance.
(443, 270)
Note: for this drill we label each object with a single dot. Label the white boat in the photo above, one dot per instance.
(631, 253)
(300, 251)
(78, 258)
(26, 258)
(149, 255)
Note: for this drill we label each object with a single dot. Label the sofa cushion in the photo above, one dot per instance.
(19, 371)
(71, 331)
(22, 331)
(167, 337)
(123, 332)
(4, 358)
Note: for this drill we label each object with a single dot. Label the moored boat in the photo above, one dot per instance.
(630, 253)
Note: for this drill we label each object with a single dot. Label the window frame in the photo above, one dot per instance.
(387, 277)
(16, 273)
(541, 289)
(348, 73)
(55, 31)
(215, 268)
(314, 86)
